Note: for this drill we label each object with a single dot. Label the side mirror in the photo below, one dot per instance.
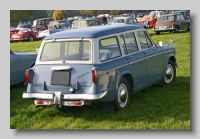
(160, 43)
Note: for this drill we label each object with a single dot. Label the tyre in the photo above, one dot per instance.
(176, 29)
(123, 95)
(157, 33)
(188, 29)
(30, 38)
(170, 72)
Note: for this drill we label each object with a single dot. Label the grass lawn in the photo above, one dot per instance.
(156, 107)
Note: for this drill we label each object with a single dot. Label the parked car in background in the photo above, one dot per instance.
(70, 21)
(127, 20)
(148, 20)
(82, 23)
(41, 24)
(24, 34)
(185, 13)
(171, 22)
(98, 64)
(139, 16)
(157, 14)
(24, 24)
(19, 62)
(58, 25)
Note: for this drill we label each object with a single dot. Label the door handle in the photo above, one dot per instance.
(146, 51)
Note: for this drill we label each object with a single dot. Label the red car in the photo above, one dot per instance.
(23, 34)
(149, 20)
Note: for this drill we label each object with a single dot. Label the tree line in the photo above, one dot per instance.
(16, 15)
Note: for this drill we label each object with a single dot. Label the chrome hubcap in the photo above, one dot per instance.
(30, 38)
(122, 95)
(169, 73)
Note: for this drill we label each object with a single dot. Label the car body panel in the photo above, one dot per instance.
(19, 62)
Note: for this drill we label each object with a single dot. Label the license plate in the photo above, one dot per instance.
(60, 78)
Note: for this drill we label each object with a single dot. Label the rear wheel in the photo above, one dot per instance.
(30, 38)
(157, 33)
(188, 29)
(170, 72)
(123, 95)
(176, 29)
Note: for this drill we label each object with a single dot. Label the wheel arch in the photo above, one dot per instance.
(129, 77)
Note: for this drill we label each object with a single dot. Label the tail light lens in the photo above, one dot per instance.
(172, 24)
(29, 75)
(94, 76)
(27, 79)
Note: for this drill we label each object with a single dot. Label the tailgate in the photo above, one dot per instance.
(61, 77)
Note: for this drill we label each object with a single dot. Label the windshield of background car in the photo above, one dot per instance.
(68, 50)
(119, 21)
(22, 30)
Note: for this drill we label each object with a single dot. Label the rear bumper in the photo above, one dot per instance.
(60, 99)
(162, 29)
(64, 96)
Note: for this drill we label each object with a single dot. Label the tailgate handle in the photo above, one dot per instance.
(61, 68)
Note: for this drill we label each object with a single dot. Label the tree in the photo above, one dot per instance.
(60, 14)
(49, 13)
(91, 12)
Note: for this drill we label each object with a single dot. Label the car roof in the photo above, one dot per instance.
(123, 17)
(93, 31)
(170, 14)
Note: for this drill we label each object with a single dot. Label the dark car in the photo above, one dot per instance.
(171, 22)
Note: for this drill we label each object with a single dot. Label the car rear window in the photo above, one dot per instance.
(69, 50)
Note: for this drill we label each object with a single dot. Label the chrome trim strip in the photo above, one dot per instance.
(84, 96)
(153, 55)
(66, 96)
(37, 95)
(169, 51)
(61, 68)
(113, 69)
(137, 61)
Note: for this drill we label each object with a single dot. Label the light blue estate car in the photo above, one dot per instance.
(19, 63)
(98, 64)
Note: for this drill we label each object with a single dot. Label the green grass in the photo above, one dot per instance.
(156, 107)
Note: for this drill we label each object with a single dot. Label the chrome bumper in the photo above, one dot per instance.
(163, 29)
(64, 96)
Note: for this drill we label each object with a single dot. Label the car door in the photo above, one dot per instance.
(15, 68)
(135, 58)
(153, 56)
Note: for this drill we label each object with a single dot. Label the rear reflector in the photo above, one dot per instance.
(39, 102)
(77, 103)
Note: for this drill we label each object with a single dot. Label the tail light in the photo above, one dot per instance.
(94, 76)
(27, 77)
(172, 24)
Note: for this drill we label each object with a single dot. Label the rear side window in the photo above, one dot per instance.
(109, 49)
